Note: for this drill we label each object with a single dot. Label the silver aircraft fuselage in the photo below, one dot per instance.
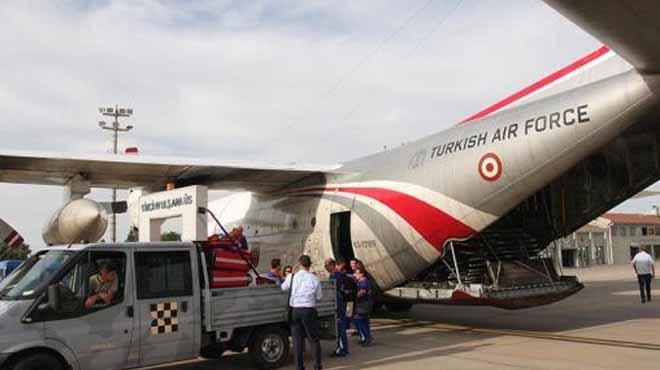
(406, 205)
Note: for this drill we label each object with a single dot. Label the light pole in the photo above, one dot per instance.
(115, 112)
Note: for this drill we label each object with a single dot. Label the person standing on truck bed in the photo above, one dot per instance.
(305, 292)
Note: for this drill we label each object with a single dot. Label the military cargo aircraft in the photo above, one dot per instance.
(463, 215)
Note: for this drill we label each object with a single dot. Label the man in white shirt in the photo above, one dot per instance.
(305, 292)
(645, 270)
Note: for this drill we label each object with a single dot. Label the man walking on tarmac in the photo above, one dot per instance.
(645, 270)
(305, 290)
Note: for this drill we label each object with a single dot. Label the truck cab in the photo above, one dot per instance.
(163, 310)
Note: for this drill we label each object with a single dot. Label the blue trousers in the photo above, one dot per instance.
(363, 327)
(645, 286)
(342, 326)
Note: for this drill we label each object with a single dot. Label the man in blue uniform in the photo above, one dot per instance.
(337, 271)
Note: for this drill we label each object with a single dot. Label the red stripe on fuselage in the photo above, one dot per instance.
(539, 84)
(434, 225)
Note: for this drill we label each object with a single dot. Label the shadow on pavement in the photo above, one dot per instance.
(391, 346)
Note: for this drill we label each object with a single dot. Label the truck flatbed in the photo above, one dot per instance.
(234, 308)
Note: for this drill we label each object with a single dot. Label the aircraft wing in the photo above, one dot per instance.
(126, 171)
(630, 28)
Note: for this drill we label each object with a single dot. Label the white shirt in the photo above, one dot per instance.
(643, 262)
(306, 289)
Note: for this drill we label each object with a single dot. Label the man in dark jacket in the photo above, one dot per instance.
(337, 271)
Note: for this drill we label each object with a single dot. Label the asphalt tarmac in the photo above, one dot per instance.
(605, 326)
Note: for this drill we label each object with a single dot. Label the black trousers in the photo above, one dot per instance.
(644, 286)
(305, 323)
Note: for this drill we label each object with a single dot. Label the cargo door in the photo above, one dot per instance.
(340, 234)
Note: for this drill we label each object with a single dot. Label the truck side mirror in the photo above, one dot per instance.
(54, 297)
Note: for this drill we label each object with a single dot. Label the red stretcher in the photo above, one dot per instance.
(228, 279)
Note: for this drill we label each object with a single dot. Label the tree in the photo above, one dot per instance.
(170, 236)
(9, 253)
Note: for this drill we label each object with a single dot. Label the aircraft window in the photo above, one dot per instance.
(651, 230)
(313, 223)
(645, 231)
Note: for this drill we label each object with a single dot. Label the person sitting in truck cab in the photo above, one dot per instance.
(103, 286)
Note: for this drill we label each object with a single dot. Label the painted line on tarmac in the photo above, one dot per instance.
(573, 339)
(408, 324)
(654, 292)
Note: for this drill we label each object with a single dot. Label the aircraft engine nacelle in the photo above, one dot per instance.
(82, 220)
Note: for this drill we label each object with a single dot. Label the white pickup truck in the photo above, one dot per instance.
(164, 311)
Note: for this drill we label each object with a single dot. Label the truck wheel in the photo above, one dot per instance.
(37, 361)
(398, 306)
(269, 348)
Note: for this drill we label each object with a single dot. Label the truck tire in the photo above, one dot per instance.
(37, 361)
(269, 347)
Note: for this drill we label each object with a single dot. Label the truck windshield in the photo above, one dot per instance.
(33, 275)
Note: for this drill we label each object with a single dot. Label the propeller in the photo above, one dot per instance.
(9, 235)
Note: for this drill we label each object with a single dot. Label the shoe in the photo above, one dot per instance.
(643, 301)
(365, 343)
(338, 354)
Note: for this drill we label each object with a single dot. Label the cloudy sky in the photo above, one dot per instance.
(277, 81)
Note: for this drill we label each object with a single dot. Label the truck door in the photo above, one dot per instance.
(99, 333)
(165, 306)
